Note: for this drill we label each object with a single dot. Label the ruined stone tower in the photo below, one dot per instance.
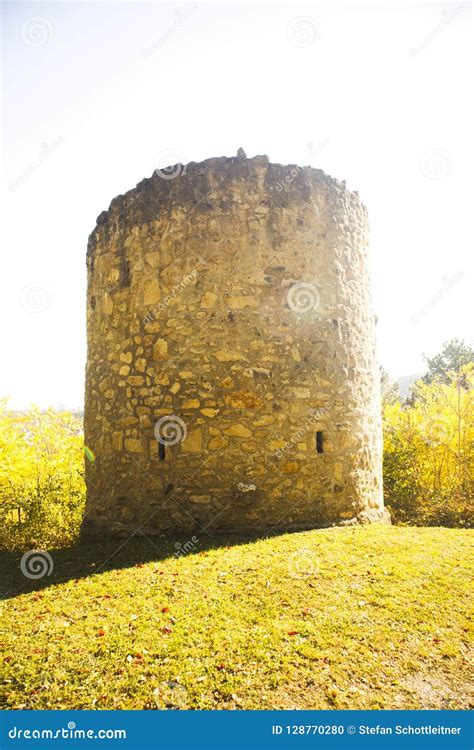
(231, 378)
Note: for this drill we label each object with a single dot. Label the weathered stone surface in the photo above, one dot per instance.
(117, 441)
(227, 383)
(238, 303)
(243, 400)
(216, 443)
(209, 412)
(229, 312)
(208, 300)
(193, 442)
(227, 355)
(132, 445)
(151, 292)
(191, 403)
(238, 430)
(200, 499)
(160, 349)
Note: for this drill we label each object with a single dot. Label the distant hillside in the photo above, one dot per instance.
(405, 383)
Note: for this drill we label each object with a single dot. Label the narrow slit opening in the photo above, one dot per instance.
(319, 442)
(161, 451)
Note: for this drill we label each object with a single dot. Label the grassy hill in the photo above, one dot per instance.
(372, 617)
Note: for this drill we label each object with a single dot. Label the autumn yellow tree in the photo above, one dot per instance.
(429, 451)
(41, 477)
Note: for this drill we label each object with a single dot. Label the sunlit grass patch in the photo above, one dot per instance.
(372, 617)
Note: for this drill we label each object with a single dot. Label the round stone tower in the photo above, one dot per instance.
(231, 379)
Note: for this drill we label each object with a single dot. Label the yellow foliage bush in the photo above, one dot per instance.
(429, 451)
(42, 490)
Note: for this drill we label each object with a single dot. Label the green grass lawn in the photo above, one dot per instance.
(373, 617)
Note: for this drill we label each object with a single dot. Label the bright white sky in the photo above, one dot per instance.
(373, 93)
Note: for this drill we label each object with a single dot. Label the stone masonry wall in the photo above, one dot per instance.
(231, 380)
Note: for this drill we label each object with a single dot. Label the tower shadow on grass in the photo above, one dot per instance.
(92, 557)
